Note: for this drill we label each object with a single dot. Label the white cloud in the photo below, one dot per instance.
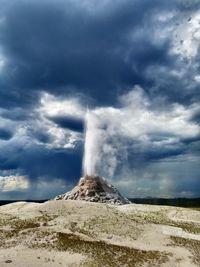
(197, 78)
(55, 106)
(13, 183)
(112, 132)
(186, 35)
(52, 107)
(58, 137)
(2, 61)
(181, 28)
(41, 130)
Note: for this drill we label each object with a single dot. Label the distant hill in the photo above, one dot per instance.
(178, 202)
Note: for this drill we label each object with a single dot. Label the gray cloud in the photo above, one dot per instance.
(58, 57)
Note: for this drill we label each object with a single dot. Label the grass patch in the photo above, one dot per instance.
(192, 245)
(42, 239)
(74, 227)
(8, 238)
(103, 254)
(22, 224)
(161, 218)
(14, 231)
(113, 224)
(19, 224)
(195, 208)
(190, 228)
(6, 219)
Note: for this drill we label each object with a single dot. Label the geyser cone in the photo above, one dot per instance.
(94, 189)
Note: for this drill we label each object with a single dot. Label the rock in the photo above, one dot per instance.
(94, 189)
(8, 261)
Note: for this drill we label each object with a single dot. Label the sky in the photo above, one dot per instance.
(112, 86)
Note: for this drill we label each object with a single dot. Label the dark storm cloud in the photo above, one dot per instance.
(132, 153)
(8, 163)
(5, 134)
(55, 45)
(18, 114)
(71, 123)
(40, 136)
(37, 161)
(196, 117)
(95, 51)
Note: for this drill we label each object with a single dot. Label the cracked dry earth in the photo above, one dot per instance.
(78, 233)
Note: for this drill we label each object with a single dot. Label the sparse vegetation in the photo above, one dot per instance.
(192, 245)
(195, 208)
(19, 224)
(102, 224)
(6, 219)
(99, 232)
(161, 218)
(103, 254)
(12, 228)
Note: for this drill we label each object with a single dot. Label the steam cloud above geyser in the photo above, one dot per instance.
(117, 139)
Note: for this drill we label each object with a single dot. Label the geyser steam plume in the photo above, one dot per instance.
(92, 187)
(91, 144)
(99, 154)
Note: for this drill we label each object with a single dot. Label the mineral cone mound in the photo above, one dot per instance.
(94, 189)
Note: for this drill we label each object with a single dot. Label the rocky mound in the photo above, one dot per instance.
(94, 189)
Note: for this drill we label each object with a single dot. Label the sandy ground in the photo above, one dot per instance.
(75, 233)
(22, 256)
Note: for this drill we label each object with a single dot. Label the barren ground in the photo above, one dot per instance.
(75, 233)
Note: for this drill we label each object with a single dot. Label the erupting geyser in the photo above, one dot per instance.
(92, 187)
(91, 148)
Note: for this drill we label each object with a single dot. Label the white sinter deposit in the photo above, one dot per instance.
(94, 189)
